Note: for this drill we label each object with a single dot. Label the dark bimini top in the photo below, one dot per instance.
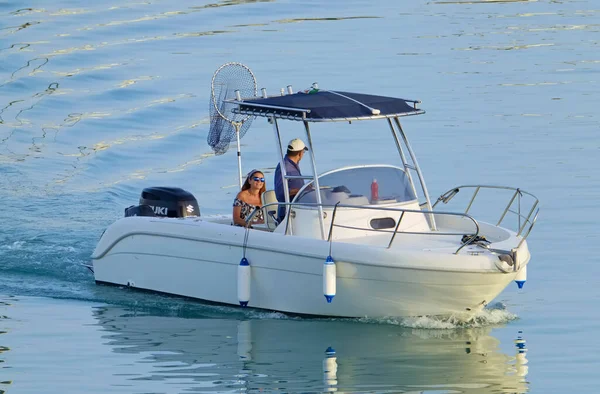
(328, 106)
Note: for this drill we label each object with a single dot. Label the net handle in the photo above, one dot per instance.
(239, 152)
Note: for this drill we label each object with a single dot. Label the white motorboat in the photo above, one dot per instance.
(371, 236)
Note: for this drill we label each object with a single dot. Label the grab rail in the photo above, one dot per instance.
(472, 236)
(523, 220)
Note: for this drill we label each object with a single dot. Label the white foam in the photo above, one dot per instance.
(256, 314)
(17, 245)
(493, 315)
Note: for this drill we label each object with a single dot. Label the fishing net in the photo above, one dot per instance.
(223, 121)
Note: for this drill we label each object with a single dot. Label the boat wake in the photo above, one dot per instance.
(492, 315)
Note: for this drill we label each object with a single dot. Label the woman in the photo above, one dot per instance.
(249, 198)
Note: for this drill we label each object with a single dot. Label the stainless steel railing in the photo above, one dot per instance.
(402, 212)
(519, 194)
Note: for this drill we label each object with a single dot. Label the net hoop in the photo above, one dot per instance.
(217, 102)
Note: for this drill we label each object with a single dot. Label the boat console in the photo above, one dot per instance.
(360, 185)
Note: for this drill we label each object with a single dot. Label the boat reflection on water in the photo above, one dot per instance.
(289, 355)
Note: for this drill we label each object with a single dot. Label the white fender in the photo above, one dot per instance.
(521, 277)
(243, 282)
(329, 279)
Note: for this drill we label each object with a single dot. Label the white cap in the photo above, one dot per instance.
(296, 145)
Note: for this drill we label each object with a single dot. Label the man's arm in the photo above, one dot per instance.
(293, 193)
(278, 185)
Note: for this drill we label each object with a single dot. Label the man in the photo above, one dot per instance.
(295, 152)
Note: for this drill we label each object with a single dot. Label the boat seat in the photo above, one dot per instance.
(270, 213)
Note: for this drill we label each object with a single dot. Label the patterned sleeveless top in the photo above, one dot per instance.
(247, 209)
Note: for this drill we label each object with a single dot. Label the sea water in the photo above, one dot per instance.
(99, 100)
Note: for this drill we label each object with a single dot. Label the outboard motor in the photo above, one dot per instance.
(139, 210)
(172, 202)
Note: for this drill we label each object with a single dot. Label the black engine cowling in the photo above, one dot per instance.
(172, 202)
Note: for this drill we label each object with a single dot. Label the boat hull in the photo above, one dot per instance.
(199, 259)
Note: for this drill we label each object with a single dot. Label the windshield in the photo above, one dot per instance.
(360, 186)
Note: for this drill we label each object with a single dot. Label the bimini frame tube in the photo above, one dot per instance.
(418, 170)
(315, 179)
(405, 164)
(286, 191)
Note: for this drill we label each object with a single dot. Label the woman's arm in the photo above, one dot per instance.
(236, 216)
(237, 210)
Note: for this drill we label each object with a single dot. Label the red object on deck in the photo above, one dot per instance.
(374, 190)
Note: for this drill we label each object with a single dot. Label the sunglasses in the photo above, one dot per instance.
(258, 179)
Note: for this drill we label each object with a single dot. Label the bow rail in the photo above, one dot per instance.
(519, 197)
